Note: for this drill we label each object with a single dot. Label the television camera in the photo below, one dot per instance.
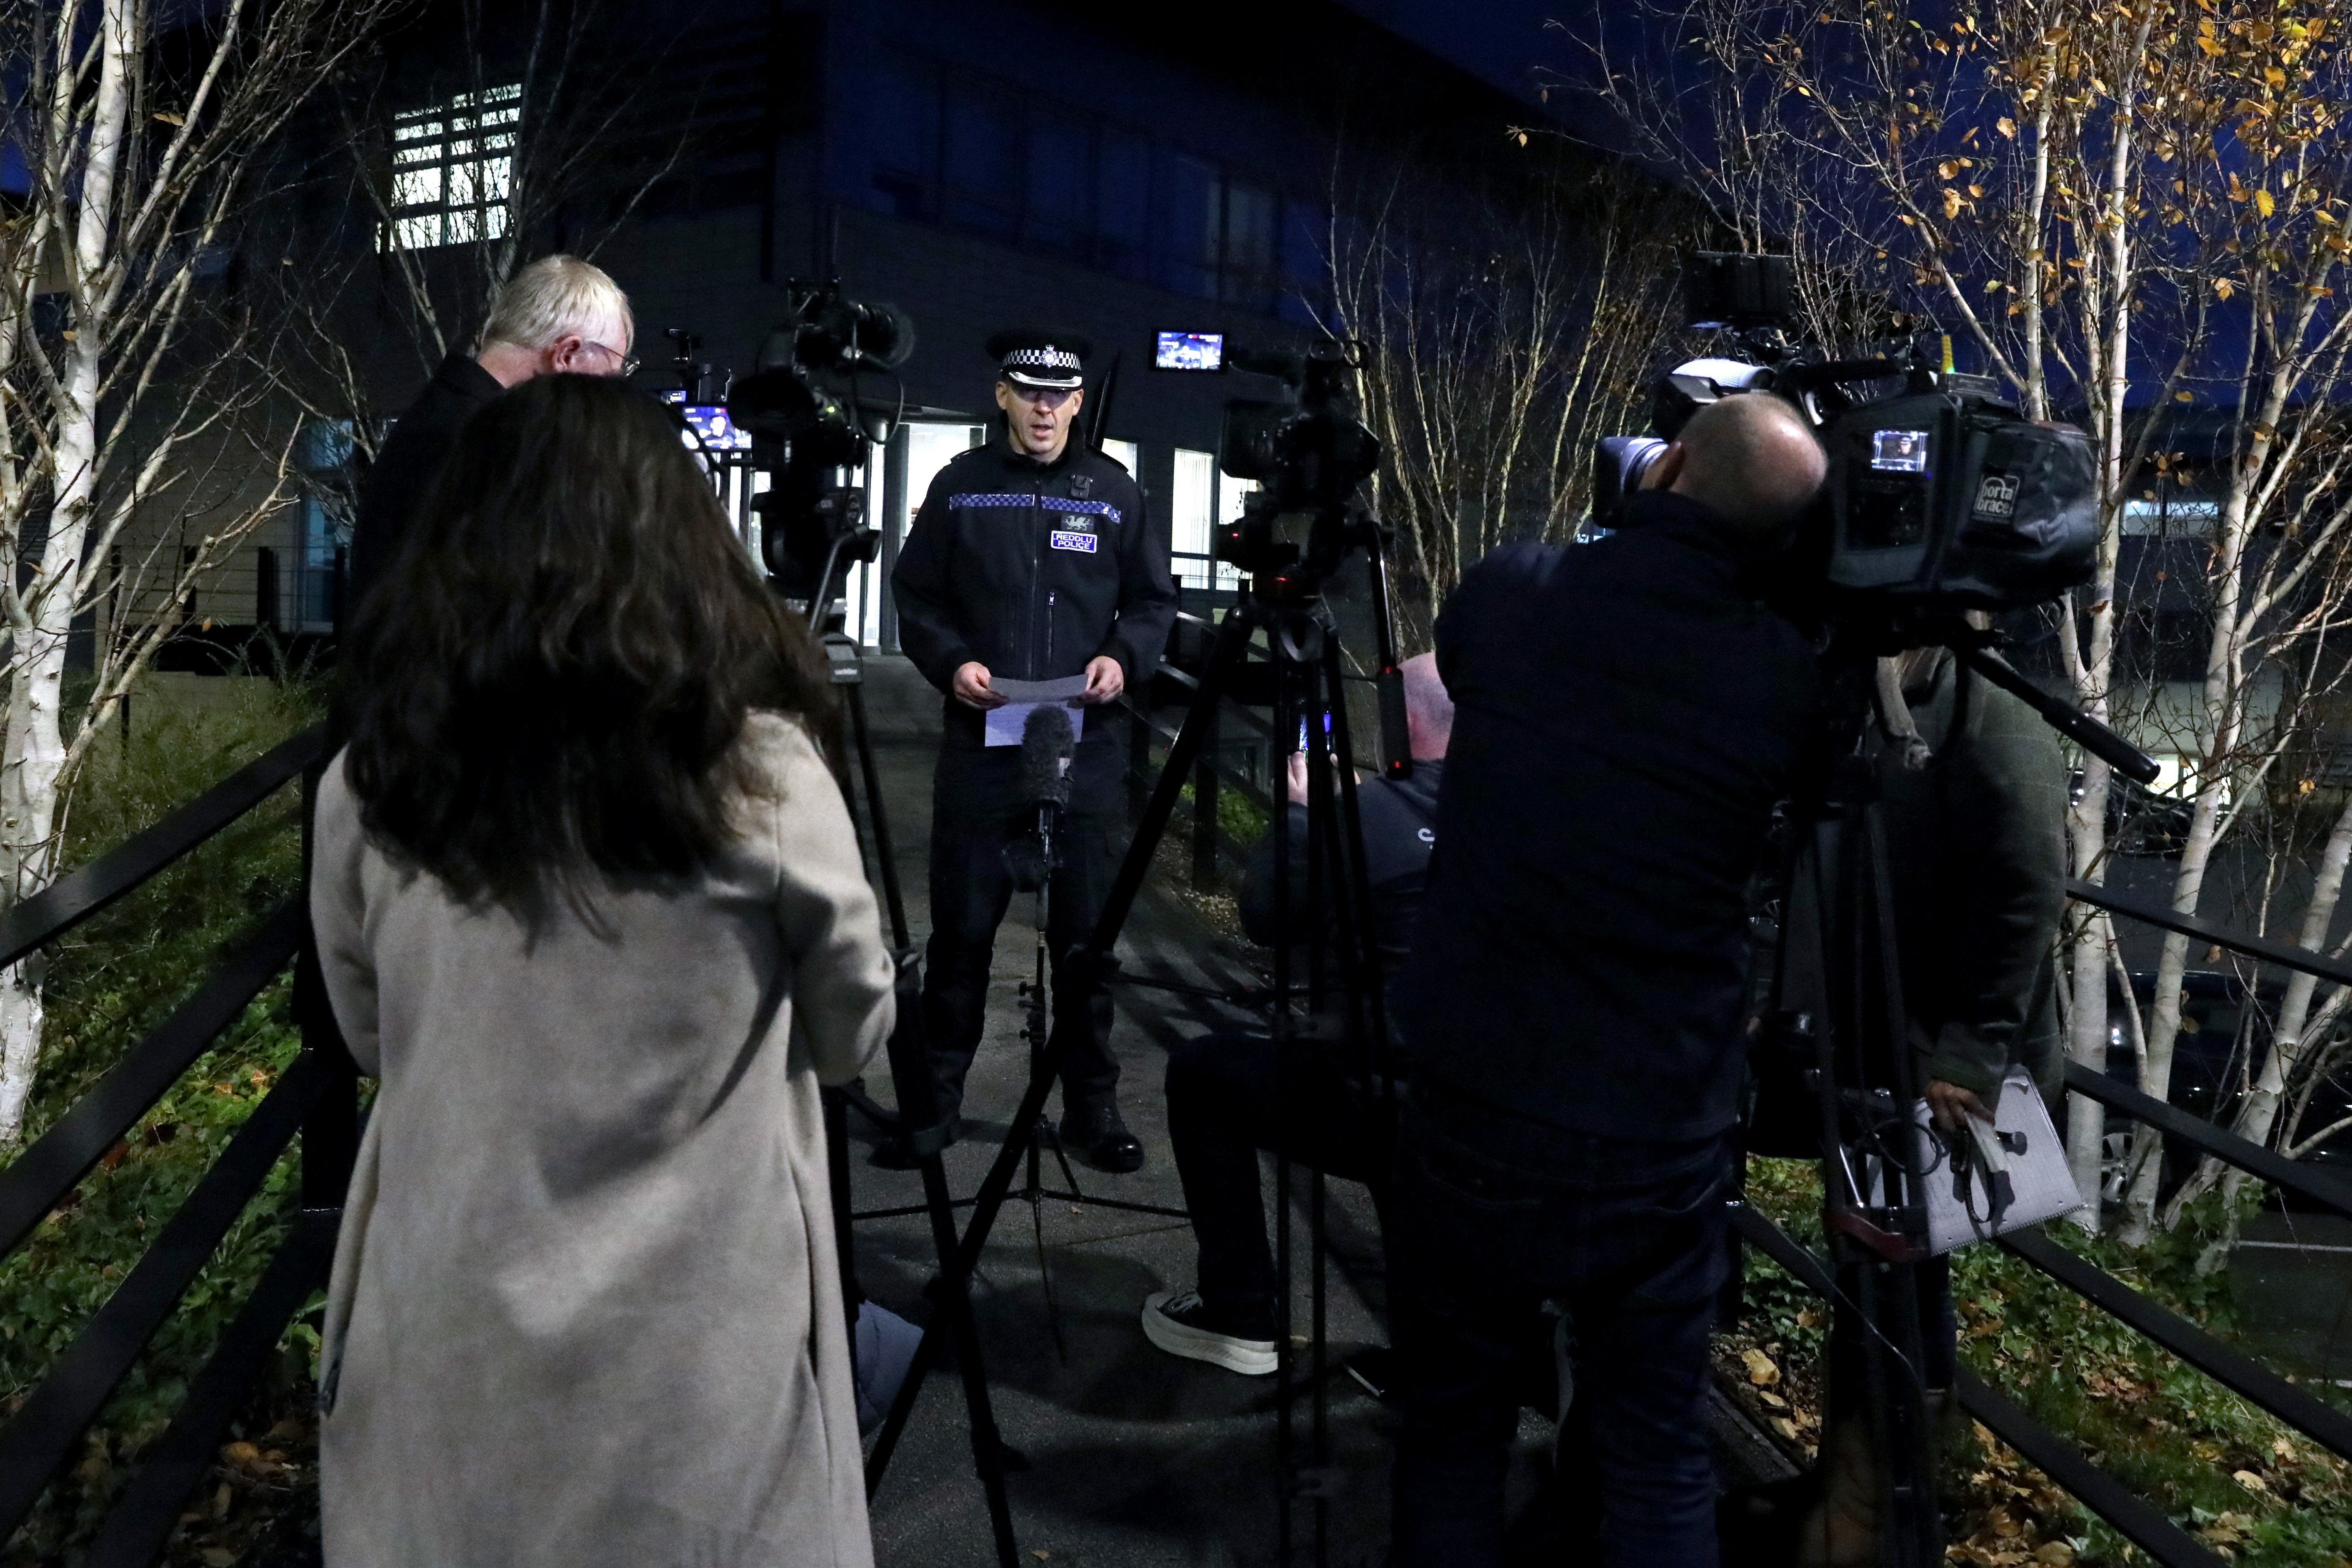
(1940, 497)
(813, 442)
(1308, 455)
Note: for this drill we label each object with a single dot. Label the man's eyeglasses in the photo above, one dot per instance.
(628, 362)
(1043, 396)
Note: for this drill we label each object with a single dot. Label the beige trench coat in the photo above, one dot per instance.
(586, 1307)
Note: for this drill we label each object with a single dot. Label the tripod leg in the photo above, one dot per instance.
(951, 1314)
(1232, 640)
(885, 853)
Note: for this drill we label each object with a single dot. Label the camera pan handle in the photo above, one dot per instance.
(2062, 716)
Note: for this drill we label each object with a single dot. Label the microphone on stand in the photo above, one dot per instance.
(1047, 744)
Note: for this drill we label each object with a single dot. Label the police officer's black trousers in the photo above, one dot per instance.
(976, 813)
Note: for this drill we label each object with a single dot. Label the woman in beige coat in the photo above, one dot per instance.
(589, 905)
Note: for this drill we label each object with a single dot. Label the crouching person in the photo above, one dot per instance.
(589, 906)
(1228, 1096)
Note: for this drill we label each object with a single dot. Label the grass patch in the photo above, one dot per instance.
(107, 984)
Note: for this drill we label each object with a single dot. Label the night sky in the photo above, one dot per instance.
(1504, 41)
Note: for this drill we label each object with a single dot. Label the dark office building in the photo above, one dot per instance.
(1121, 171)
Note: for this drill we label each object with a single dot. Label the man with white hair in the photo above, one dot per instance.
(1627, 715)
(559, 314)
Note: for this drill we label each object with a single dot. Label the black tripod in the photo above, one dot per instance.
(1307, 661)
(918, 1118)
(1838, 1007)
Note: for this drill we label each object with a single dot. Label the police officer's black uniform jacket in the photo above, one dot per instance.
(1033, 569)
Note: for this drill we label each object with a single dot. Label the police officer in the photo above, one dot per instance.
(1030, 560)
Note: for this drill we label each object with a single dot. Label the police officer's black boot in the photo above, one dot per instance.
(1096, 1134)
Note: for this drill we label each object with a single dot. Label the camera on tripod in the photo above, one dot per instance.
(812, 442)
(1309, 455)
(1940, 497)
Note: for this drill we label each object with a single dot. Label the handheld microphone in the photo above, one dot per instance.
(1047, 744)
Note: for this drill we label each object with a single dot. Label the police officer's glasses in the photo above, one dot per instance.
(1043, 396)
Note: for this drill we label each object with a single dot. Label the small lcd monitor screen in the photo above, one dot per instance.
(1191, 351)
(710, 421)
(1899, 451)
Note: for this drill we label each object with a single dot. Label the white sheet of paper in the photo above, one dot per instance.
(1003, 725)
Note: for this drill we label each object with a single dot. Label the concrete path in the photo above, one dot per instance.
(1137, 1458)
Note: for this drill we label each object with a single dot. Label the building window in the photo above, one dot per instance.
(950, 146)
(983, 158)
(452, 168)
(1121, 452)
(1193, 509)
(1249, 275)
(1191, 503)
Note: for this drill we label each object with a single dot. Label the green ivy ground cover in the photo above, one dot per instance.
(108, 984)
(2255, 1491)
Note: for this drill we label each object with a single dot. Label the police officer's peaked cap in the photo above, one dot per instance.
(1044, 357)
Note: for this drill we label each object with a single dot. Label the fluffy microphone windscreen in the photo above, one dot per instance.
(1046, 745)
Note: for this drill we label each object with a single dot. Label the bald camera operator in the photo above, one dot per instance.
(1626, 715)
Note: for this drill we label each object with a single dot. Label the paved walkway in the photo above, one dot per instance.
(1136, 1457)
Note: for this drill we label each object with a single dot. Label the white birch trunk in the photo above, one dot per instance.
(33, 754)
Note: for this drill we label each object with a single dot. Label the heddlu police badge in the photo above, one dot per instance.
(1071, 539)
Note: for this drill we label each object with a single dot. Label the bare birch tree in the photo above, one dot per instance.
(115, 373)
(548, 126)
(1497, 349)
(2131, 208)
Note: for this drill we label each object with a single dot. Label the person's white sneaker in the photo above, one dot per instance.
(1176, 1322)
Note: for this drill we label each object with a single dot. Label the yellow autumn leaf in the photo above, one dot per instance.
(1760, 1369)
(2005, 125)
(2265, 203)
(1951, 202)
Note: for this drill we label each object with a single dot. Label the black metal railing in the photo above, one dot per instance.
(315, 1099)
(2132, 1516)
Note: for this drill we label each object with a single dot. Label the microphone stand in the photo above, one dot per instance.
(1036, 1029)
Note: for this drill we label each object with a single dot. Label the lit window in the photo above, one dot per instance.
(453, 169)
(1123, 451)
(1230, 493)
(1191, 503)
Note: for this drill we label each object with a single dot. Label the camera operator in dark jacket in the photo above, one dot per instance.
(1031, 559)
(1229, 1095)
(1627, 713)
(1972, 789)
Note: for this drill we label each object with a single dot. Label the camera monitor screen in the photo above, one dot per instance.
(1899, 451)
(1191, 351)
(710, 421)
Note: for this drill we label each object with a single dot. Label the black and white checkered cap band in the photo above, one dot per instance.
(1048, 367)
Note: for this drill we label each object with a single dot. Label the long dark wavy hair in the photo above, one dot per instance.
(552, 680)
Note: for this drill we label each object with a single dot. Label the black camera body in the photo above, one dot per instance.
(1940, 498)
(1948, 499)
(1309, 457)
(811, 442)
